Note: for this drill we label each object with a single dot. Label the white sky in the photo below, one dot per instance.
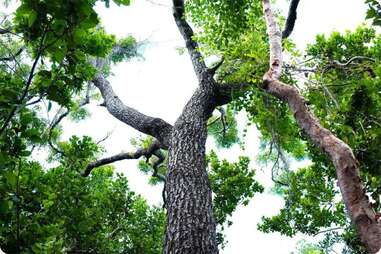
(161, 84)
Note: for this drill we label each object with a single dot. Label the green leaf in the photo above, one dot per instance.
(32, 17)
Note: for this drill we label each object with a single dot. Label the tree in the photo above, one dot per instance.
(345, 96)
(67, 34)
(65, 46)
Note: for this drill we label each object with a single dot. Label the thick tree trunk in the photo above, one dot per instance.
(191, 227)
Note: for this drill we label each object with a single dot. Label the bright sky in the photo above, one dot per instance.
(161, 84)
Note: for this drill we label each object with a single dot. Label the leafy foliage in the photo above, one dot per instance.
(224, 129)
(374, 11)
(233, 184)
(46, 55)
(58, 212)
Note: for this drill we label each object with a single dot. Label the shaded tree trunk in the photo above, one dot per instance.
(191, 227)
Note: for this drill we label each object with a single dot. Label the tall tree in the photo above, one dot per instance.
(67, 35)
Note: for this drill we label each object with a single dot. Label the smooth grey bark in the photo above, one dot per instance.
(358, 206)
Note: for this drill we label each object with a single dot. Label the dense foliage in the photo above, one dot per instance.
(47, 51)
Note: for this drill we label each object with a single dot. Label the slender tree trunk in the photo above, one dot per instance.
(191, 227)
(357, 203)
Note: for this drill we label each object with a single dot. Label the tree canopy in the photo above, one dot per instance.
(55, 59)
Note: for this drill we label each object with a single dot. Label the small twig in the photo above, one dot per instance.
(157, 4)
(12, 56)
(328, 230)
(34, 102)
(8, 31)
(104, 138)
(156, 165)
(353, 59)
(58, 119)
(223, 120)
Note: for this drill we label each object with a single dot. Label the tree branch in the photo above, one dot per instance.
(328, 230)
(155, 127)
(59, 118)
(12, 56)
(27, 85)
(156, 165)
(275, 41)
(147, 152)
(187, 33)
(355, 58)
(347, 169)
(292, 16)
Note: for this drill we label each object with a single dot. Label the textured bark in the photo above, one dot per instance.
(347, 169)
(191, 227)
(187, 33)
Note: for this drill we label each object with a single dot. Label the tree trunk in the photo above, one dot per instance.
(191, 227)
(357, 203)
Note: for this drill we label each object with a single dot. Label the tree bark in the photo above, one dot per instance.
(191, 227)
(353, 192)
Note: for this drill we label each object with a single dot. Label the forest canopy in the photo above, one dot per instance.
(320, 105)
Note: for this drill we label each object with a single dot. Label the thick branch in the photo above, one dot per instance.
(347, 169)
(155, 127)
(187, 33)
(275, 41)
(290, 22)
(147, 152)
